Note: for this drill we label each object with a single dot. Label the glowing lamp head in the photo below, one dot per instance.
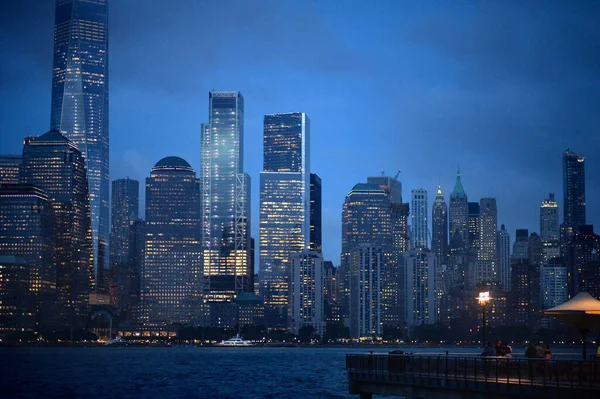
(484, 297)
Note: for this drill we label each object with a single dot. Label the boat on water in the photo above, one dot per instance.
(236, 341)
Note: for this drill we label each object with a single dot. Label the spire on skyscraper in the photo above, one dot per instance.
(458, 191)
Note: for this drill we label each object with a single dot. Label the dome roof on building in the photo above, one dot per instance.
(172, 163)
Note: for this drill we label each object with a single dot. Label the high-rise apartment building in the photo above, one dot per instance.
(285, 207)
(504, 258)
(473, 228)
(306, 297)
(421, 296)
(10, 169)
(225, 200)
(553, 280)
(54, 164)
(80, 104)
(419, 236)
(171, 266)
(316, 210)
(458, 212)
(439, 226)
(573, 192)
(488, 230)
(366, 262)
(27, 233)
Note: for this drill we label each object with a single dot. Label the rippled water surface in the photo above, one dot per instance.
(173, 373)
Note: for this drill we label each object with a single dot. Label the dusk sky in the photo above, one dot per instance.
(501, 88)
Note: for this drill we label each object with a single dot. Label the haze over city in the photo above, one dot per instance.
(499, 89)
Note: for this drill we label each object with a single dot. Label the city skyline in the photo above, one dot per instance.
(531, 169)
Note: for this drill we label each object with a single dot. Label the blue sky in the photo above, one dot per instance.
(501, 88)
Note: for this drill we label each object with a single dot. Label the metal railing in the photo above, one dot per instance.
(446, 370)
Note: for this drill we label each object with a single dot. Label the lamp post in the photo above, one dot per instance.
(484, 298)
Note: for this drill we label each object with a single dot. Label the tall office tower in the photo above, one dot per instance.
(521, 244)
(535, 262)
(80, 104)
(316, 210)
(330, 286)
(225, 200)
(125, 210)
(366, 218)
(439, 227)
(473, 228)
(10, 168)
(583, 251)
(54, 164)
(488, 230)
(421, 296)
(307, 304)
(535, 250)
(285, 206)
(458, 212)
(553, 285)
(504, 258)
(419, 219)
(549, 219)
(573, 192)
(365, 291)
(171, 264)
(26, 231)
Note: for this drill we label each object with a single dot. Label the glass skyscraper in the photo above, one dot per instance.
(439, 226)
(574, 192)
(458, 212)
(171, 266)
(125, 210)
(284, 207)
(225, 200)
(488, 232)
(316, 206)
(80, 103)
(10, 168)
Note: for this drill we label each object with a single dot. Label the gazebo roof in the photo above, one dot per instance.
(582, 302)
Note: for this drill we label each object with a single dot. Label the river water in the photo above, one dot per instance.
(139, 373)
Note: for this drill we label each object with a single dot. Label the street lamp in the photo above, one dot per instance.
(484, 298)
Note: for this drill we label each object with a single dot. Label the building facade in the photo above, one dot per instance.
(553, 281)
(504, 258)
(306, 296)
(421, 296)
(473, 228)
(439, 226)
(573, 192)
(488, 230)
(10, 169)
(225, 200)
(125, 210)
(419, 230)
(171, 254)
(316, 211)
(365, 291)
(80, 104)
(458, 211)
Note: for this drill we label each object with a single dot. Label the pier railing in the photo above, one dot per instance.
(462, 371)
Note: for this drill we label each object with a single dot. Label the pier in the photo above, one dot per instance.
(453, 377)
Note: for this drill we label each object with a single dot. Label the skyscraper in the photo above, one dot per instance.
(488, 230)
(439, 226)
(419, 219)
(458, 212)
(225, 200)
(473, 229)
(553, 280)
(316, 205)
(285, 207)
(574, 192)
(521, 244)
(365, 291)
(125, 210)
(504, 258)
(549, 226)
(10, 168)
(307, 300)
(421, 297)
(54, 164)
(171, 267)
(80, 103)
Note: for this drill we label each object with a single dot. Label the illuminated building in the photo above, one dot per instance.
(583, 263)
(10, 168)
(549, 228)
(16, 311)
(250, 310)
(26, 231)
(316, 205)
(574, 193)
(366, 218)
(171, 267)
(419, 219)
(504, 258)
(307, 299)
(330, 286)
(80, 104)
(421, 296)
(439, 226)
(554, 285)
(54, 164)
(488, 231)
(366, 262)
(225, 197)
(284, 207)
(473, 228)
(458, 211)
